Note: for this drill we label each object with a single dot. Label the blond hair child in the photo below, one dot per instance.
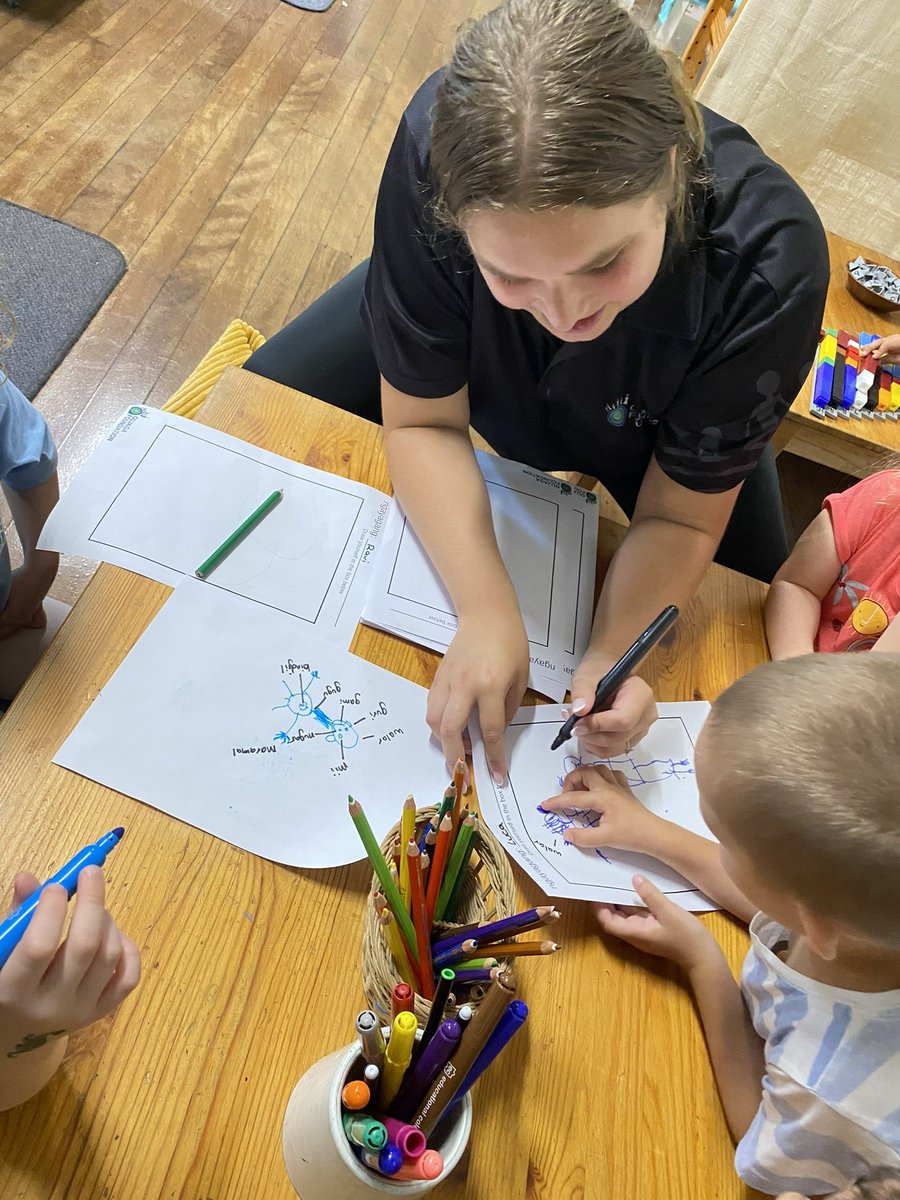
(796, 768)
(840, 587)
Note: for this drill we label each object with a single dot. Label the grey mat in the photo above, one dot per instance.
(53, 277)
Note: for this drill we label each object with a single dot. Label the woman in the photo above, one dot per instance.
(599, 276)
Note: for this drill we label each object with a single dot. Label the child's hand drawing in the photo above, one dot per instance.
(624, 822)
(662, 928)
(619, 727)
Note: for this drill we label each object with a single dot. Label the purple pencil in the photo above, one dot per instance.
(496, 931)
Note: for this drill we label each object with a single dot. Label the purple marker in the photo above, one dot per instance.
(419, 1079)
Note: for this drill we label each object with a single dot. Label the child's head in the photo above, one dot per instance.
(797, 768)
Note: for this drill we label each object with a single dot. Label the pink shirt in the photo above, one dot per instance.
(865, 597)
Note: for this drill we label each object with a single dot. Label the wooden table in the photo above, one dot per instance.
(251, 970)
(850, 445)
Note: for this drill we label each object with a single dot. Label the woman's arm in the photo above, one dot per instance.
(794, 603)
(437, 480)
(673, 536)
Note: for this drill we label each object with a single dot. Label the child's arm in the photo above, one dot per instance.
(735, 1049)
(30, 582)
(626, 824)
(794, 603)
(890, 640)
(48, 990)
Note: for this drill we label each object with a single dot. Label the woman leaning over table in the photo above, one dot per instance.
(599, 276)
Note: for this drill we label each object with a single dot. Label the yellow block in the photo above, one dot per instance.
(232, 349)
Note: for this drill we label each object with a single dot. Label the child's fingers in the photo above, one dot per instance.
(23, 885)
(104, 965)
(33, 956)
(87, 930)
(587, 838)
(657, 903)
(124, 980)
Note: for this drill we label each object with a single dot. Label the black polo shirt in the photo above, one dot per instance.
(698, 372)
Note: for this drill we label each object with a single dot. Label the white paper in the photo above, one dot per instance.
(660, 770)
(547, 536)
(161, 493)
(235, 718)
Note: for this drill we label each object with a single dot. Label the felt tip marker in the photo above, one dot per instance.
(13, 928)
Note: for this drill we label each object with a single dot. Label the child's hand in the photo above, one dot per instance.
(47, 989)
(885, 349)
(624, 822)
(662, 928)
(24, 604)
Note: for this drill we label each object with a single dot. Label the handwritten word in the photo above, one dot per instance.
(390, 735)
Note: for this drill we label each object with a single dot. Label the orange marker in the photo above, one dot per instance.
(356, 1095)
(427, 1166)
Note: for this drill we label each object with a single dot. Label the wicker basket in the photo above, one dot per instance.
(488, 893)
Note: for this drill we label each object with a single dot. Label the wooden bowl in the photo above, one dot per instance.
(870, 299)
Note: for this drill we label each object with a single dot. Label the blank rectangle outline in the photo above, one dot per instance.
(278, 471)
(553, 863)
(448, 613)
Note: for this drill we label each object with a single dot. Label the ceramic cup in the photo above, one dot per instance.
(319, 1159)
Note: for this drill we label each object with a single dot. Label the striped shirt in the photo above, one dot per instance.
(830, 1108)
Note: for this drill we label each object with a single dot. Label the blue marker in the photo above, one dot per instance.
(12, 929)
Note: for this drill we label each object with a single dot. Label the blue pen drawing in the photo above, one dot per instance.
(299, 704)
(637, 774)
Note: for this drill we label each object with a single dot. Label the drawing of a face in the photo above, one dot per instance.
(343, 732)
(869, 618)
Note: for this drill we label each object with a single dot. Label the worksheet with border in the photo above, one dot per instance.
(240, 721)
(546, 531)
(659, 769)
(161, 493)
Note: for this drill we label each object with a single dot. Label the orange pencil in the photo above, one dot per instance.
(438, 866)
(522, 949)
(417, 904)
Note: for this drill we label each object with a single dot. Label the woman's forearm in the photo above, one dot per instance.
(659, 563)
(437, 480)
(793, 614)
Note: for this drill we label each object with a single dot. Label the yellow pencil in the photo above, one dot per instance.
(407, 831)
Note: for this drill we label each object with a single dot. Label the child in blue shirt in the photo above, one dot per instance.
(28, 478)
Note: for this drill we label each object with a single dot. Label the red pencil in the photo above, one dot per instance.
(420, 920)
(438, 866)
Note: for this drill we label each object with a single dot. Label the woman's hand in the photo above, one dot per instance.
(662, 928)
(624, 822)
(485, 668)
(48, 988)
(627, 717)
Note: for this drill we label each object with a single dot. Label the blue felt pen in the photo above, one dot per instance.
(12, 929)
(509, 1024)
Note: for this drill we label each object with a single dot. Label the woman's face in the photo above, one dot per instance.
(574, 269)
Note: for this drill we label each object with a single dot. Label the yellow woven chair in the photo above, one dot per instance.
(232, 349)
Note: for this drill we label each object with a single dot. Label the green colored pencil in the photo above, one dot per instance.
(455, 866)
(389, 889)
(239, 534)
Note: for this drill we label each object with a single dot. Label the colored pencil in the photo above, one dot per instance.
(407, 830)
(449, 957)
(388, 887)
(438, 867)
(453, 903)
(417, 901)
(209, 564)
(505, 927)
(523, 949)
(458, 860)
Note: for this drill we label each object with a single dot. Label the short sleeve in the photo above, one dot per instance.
(858, 513)
(414, 305)
(27, 452)
(744, 378)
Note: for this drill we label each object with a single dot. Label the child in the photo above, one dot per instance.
(880, 1185)
(796, 768)
(840, 587)
(48, 990)
(28, 476)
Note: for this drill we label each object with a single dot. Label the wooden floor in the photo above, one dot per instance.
(231, 149)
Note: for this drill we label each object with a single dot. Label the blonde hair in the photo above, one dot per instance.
(548, 103)
(804, 756)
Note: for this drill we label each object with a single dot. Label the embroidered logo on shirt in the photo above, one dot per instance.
(850, 588)
(623, 411)
(869, 618)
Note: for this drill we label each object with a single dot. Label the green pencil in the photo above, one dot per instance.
(239, 534)
(389, 888)
(458, 859)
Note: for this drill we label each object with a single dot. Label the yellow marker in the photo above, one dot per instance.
(407, 831)
(397, 1057)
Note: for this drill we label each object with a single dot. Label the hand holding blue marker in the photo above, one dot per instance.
(14, 926)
